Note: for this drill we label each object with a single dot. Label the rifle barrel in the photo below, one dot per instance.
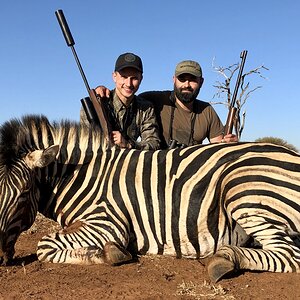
(238, 81)
(232, 109)
(70, 42)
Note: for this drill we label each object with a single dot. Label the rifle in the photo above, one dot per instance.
(92, 105)
(232, 109)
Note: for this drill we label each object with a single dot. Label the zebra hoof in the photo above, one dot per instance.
(218, 267)
(114, 254)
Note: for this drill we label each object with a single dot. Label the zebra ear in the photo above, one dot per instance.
(42, 158)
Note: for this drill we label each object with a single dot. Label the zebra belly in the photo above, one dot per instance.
(187, 250)
(182, 249)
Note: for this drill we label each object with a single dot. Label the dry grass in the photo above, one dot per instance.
(203, 291)
(42, 223)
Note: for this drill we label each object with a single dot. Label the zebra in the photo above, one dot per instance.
(114, 204)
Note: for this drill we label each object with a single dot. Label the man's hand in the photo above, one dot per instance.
(119, 140)
(102, 91)
(228, 138)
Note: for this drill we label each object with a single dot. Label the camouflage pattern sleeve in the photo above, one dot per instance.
(83, 118)
(149, 130)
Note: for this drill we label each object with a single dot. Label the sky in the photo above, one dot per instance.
(38, 73)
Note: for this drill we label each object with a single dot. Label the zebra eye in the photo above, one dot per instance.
(26, 191)
(27, 188)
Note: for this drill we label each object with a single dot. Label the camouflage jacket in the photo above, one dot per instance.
(137, 122)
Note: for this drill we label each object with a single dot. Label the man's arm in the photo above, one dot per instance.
(83, 117)
(149, 129)
(149, 132)
(217, 129)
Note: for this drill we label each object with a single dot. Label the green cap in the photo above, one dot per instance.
(188, 67)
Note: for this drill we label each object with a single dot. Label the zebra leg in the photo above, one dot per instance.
(279, 253)
(239, 237)
(219, 266)
(82, 243)
(111, 254)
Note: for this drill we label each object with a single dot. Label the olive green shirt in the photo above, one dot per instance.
(188, 128)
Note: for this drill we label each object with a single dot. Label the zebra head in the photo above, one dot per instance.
(18, 191)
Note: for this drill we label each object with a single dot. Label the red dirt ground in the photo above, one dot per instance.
(154, 277)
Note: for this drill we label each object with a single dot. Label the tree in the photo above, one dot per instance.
(276, 141)
(224, 89)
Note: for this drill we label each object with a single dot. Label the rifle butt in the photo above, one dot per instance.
(101, 114)
(89, 111)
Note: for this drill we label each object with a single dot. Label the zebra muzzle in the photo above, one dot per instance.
(6, 252)
(6, 258)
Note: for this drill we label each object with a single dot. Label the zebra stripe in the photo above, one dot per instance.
(112, 203)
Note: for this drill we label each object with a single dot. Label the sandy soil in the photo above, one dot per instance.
(154, 277)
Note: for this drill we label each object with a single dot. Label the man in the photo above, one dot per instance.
(132, 118)
(183, 119)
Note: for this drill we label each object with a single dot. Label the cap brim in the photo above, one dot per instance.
(196, 74)
(128, 66)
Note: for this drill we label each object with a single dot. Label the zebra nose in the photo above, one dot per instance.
(3, 249)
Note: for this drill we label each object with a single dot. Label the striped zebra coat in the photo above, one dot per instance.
(114, 203)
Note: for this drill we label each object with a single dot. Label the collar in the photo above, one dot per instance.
(118, 104)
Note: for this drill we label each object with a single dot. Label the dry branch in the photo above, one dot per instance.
(224, 91)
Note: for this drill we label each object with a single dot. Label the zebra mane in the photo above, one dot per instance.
(13, 135)
(32, 132)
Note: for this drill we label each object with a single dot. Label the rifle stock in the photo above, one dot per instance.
(232, 109)
(100, 110)
(230, 120)
(92, 106)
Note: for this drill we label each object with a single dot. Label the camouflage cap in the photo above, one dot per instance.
(188, 67)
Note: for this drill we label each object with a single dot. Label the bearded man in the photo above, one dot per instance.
(185, 120)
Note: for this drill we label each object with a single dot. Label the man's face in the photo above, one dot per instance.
(187, 87)
(127, 82)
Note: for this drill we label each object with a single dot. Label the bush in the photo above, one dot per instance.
(277, 141)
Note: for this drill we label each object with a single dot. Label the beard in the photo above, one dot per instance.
(185, 97)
